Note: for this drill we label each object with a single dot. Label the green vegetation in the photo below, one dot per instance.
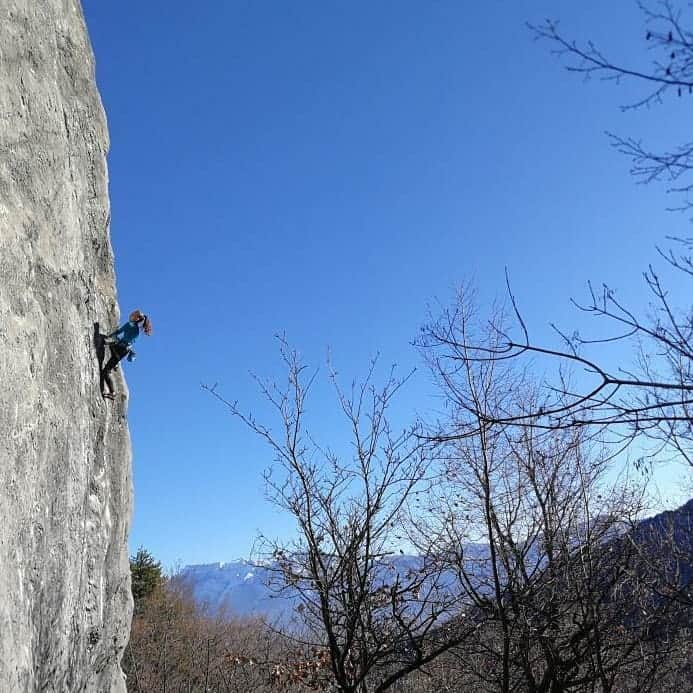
(146, 575)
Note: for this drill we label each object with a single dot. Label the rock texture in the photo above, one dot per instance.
(65, 484)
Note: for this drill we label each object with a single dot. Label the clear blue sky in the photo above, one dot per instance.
(327, 169)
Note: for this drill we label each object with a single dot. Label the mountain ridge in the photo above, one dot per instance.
(242, 587)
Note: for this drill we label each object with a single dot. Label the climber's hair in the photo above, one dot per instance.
(147, 327)
(138, 316)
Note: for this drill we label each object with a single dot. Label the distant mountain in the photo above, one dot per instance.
(675, 523)
(242, 588)
(668, 540)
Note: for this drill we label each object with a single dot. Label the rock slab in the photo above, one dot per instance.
(65, 470)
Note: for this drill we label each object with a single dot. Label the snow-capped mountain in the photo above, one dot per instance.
(243, 588)
(239, 587)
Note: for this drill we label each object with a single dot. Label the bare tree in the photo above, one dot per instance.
(670, 73)
(651, 400)
(543, 547)
(176, 645)
(377, 617)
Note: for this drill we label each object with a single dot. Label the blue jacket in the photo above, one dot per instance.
(129, 331)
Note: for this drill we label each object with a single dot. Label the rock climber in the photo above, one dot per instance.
(120, 343)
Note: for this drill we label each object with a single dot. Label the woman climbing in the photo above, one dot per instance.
(120, 342)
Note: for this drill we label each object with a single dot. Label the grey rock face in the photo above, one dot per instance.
(65, 484)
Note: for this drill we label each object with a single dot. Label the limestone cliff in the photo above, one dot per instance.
(65, 484)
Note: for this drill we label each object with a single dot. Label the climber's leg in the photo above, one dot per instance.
(117, 353)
